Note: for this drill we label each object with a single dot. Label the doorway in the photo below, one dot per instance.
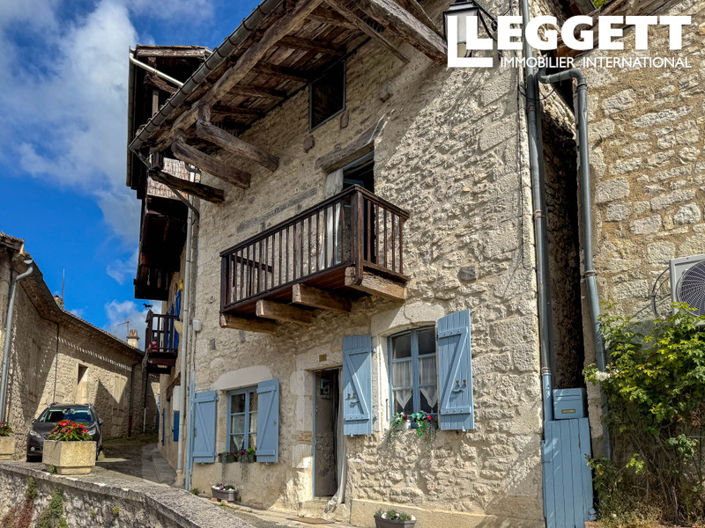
(325, 433)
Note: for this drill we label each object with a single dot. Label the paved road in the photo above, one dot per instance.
(137, 458)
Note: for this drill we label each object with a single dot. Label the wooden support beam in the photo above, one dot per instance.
(290, 74)
(308, 45)
(235, 145)
(205, 192)
(375, 285)
(152, 80)
(365, 28)
(413, 7)
(283, 312)
(317, 298)
(248, 325)
(209, 164)
(390, 14)
(331, 18)
(236, 113)
(257, 91)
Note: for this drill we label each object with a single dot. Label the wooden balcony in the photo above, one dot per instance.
(349, 245)
(161, 342)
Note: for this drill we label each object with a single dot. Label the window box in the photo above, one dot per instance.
(69, 458)
(7, 447)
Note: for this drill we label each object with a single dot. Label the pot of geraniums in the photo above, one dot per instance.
(248, 455)
(7, 442)
(225, 492)
(421, 422)
(394, 519)
(69, 449)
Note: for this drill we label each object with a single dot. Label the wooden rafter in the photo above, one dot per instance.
(282, 312)
(331, 18)
(248, 325)
(209, 164)
(413, 7)
(152, 80)
(375, 285)
(390, 14)
(235, 145)
(259, 92)
(290, 74)
(205, 192)
(365, 28)
(308, 45)
(236, 111)
(317, 298)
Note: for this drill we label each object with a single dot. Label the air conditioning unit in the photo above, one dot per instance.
(688, 281)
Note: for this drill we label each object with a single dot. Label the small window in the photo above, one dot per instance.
(242, 419)
(327, 95)
(412, 360)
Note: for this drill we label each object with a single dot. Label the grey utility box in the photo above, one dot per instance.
(568, 404)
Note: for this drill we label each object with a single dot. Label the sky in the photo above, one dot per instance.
(63, 137)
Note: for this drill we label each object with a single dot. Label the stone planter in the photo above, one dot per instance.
(386, 523)
(7, 447)
(229, 495)
(69, 458)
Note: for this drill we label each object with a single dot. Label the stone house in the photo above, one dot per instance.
(362, 244)
(55, 356)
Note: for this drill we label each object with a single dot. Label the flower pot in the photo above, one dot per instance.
(386, 523)
(7, 447)
(69, 458)
(229, 495)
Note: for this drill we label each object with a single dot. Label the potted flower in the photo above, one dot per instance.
(7, 442)
(69, 449)
(227, 457)
(394, 519)
(248, 455)
(224, 492)
(422, 422)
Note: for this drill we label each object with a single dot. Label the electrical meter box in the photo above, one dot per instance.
(568, 404)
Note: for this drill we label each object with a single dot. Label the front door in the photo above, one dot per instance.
(325, 432)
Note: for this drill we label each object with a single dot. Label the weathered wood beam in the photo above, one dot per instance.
(257, 91)
(209, 164)
(375, 285)
(290, 74)
(331, 18)
(317, 298)
(390, 14)
(236, 112)
(282, 312)
(205, 192)
(365, 28)
(413, 7)
(235, 145)
(157, 82)
(248, 325)
(308, 45)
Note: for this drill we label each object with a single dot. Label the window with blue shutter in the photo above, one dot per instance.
(177, 313)
(357, 385)
(242, 419)
(268, 421)
(204, 424)
(175, 429)
(455, 372)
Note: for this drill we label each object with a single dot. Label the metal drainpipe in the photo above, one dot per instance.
(8, 337)
(542, 276)
(581, 117)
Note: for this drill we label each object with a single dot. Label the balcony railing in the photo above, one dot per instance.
(354, 229)
(161, 339)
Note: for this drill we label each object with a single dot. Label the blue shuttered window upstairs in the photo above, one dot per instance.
(268, 421)
(175, 428)
(456, 410)
(357, 385)
(204, 425)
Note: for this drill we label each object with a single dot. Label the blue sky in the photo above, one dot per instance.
(63, 102)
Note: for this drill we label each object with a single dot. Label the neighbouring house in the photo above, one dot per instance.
(55, 356)
(362, 242)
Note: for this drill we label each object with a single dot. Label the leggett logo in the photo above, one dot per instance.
(542, 33)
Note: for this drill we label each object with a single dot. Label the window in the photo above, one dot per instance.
(242, 419)
(327, 95)
(412, 360)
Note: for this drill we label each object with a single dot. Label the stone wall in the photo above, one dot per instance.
(647, 128)
(97, 502)
(453, 153)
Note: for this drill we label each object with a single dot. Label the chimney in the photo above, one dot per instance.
(59, 301)
(133, 339)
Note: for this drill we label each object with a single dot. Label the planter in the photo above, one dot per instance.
(7, 447)
(386, 523)
(229, 495)
(69, 458)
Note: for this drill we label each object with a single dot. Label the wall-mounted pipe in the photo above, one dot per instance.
(8, 337)
(581, 123)
(155, 71)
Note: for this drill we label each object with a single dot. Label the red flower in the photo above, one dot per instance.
(406, 416)
(232, 452)
(430, 417)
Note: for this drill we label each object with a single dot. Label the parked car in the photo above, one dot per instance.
(80, 413)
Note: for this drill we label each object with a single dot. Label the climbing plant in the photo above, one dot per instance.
(20, 516)
(53, 516)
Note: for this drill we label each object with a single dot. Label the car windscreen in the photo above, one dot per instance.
(75, 415)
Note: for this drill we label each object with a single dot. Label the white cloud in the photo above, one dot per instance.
(192, 10)
(124, 314)
(121, 270)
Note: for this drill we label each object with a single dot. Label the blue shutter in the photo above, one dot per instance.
(357, 385)
(175, 429)
(204, 427)
(163, 427)
(455, 372)
(177, 313)
(267, 449)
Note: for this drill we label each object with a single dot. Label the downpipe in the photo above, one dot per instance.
(8, 337)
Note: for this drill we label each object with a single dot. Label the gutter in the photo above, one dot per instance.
(8, 337)
(175, 104)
